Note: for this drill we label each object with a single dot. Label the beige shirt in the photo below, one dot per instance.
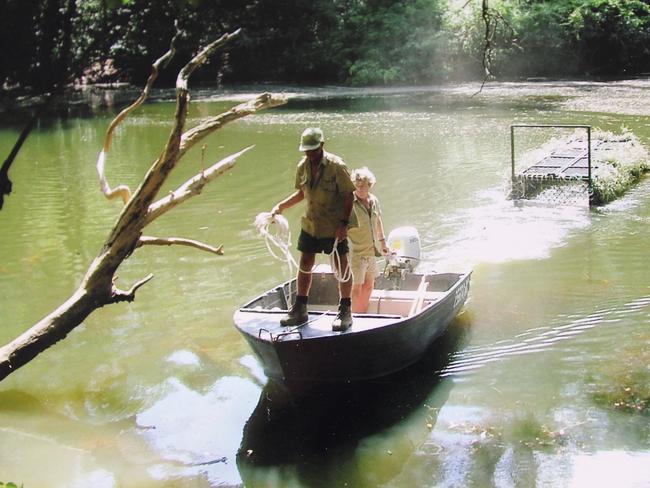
(324, 195)
(363, 236)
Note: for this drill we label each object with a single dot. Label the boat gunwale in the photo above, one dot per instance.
(402, 321)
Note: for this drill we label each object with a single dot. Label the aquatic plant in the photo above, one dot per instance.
(533, 434)
(618, 168)
(524, 430)
(625, 385)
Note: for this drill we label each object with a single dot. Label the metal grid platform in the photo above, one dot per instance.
(571, 163)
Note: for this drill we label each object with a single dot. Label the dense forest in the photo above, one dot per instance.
(49, 43)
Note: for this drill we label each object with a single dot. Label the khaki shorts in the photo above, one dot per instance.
(362, 268)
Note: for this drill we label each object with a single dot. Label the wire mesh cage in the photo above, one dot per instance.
(578, 169)
(552, 191)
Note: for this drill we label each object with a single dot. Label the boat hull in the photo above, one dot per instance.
(363, 352)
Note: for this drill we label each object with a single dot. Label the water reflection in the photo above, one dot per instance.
(197, 432)
(356, 434)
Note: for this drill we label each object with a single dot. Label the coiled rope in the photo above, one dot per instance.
(279, 245)
(335, 264)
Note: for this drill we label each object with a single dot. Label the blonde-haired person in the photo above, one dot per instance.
(365, 239)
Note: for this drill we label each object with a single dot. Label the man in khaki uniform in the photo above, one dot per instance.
(323, 180)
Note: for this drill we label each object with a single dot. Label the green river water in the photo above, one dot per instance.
(534, 385)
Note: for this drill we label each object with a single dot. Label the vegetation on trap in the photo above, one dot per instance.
(621, 169)
(614, 171)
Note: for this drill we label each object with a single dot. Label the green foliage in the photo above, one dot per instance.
(540, 43)
(611, 36)
(393, 42)
(140, 32)
(39, 33)
(9, 484)
(575, 37)
(360, 42)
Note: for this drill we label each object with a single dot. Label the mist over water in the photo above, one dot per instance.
(165, 391)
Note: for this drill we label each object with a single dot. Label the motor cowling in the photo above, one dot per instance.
(404, 242)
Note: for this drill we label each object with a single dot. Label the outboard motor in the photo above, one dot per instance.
(404, 243)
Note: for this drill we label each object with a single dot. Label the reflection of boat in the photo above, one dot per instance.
(324, 428)
(401, 324)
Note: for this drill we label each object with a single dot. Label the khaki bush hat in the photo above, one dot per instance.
(311, 139)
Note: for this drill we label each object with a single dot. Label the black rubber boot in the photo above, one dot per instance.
(296, 316)
(343, 320)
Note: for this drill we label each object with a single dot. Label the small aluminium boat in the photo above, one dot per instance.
(408, 311)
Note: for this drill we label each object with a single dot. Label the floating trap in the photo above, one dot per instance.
(584, 168)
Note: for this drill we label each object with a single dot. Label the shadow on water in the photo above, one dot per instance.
(319, 432)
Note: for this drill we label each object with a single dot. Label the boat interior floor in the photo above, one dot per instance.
(389, 302)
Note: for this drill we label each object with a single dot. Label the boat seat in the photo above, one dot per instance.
(405, 295)
(399, 302)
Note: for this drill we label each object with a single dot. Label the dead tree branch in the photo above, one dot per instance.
(5, 183)
(492, 21)
(129, 295)
(262, 102)
(97, 287)
(192, 187)
(124, 191)
(58, 58)
(172, 241)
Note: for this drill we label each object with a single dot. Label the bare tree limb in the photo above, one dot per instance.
(179, 241)
(129, 295)
(5, 183)
(97, 287)
(492, 20)
(124, 191)
(192, 187)
(202, 57)
(488, 21)
(261, 102)
(155, 69)
(121, 191)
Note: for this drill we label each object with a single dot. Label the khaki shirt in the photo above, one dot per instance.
(363, 236)
(324, 196)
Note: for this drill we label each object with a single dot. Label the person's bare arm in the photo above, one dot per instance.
(296, 197)
(381, 236)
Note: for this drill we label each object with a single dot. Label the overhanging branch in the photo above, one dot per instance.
(129, 295)
(179, 241)
(192, 187)
(201, 57)
(124, 191)
(205, 128)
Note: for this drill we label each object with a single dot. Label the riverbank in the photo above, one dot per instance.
(621, 96)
